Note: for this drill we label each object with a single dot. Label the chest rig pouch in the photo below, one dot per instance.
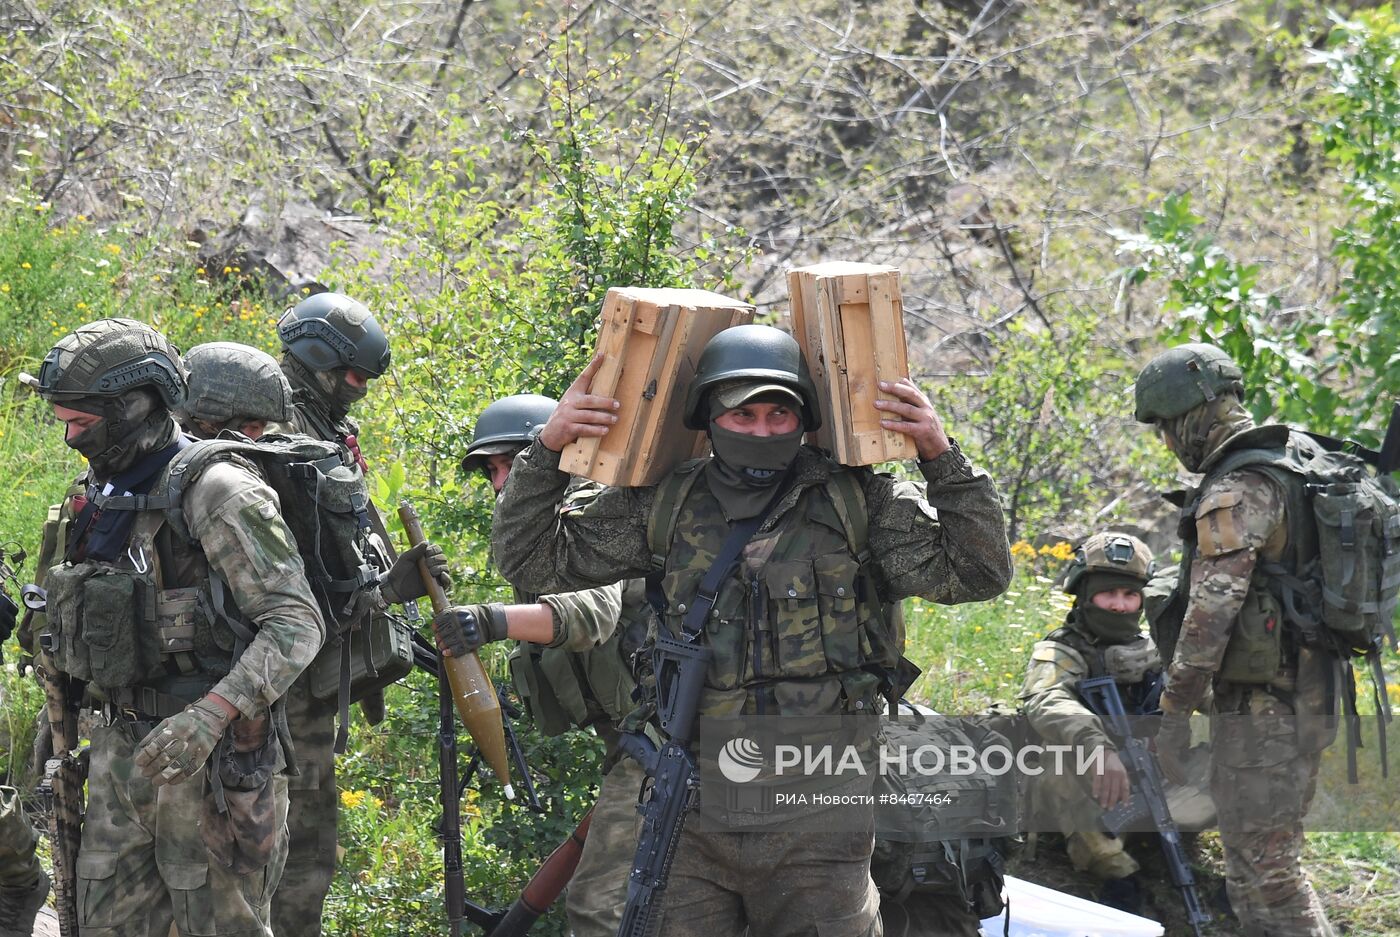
(154, 617)
(799, 621)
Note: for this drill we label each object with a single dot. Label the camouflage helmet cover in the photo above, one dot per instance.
(229, 381)
(751, 353)
(330, 330)
(509, 423)
(107, 358)
(1182, 378)
(1121, 555)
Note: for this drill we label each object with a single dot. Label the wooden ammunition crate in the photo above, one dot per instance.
(651, 340)
(849, 320)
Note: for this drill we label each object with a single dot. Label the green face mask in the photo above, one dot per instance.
(745, 468)
(1108, 627)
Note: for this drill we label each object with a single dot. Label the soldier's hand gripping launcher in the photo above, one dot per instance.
(1102, 696)
(672, 782)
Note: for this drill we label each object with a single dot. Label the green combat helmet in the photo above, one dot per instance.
(232, 383)
(1121, 555)
(107, 358)
(751, 353)
(507, 425)
(123, 371)
(1182, 378)
(330, 330)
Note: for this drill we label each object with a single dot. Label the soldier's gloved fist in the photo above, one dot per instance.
(1173, 742)
(402, 583)
(177, 748)
(464, 628)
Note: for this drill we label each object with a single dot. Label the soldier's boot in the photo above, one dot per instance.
(19, 907)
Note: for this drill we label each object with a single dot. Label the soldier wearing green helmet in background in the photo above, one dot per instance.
(1102, 635)
(797, 627)
(1245, 541)
(184, 641)
(332, 348)
(234, 387)
(572, 666)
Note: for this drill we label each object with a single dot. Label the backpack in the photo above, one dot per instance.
(940, 833)
(1340, 593)
(321, 490)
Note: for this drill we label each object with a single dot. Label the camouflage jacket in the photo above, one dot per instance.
(235, 520)
(1050, 696)
(949, 548)
(1239, 519)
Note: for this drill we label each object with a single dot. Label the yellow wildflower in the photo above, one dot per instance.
(352, 799)
(113, 249)
(24, 266)
(1023, 550)
(4, 287)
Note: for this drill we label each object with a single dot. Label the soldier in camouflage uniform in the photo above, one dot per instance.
(818, 598)
(236, 387)
(23, 884)
(1101, 635)
(131, 614)
(571, 665)
(1236, 534)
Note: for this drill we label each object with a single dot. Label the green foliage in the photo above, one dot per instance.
(1037, 410)
(1362, 136)
(1215, 298)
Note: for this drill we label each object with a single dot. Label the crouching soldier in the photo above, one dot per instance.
(186, 623)
(1102, 635)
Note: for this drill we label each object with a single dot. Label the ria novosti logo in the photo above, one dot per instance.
(740, 760)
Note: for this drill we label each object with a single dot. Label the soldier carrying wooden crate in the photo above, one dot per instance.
(796, 625)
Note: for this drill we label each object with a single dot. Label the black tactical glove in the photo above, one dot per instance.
(9, 613)
(402, 582)
(464, 628)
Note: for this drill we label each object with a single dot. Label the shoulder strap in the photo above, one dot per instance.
(848, 498)
(187, 466)
(671, 493)
(739, 536)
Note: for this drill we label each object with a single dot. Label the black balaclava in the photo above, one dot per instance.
(133, 425)
(746, 468)
(1108, 627)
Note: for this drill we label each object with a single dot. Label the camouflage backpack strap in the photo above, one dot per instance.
(1082, 646)
(671, 493)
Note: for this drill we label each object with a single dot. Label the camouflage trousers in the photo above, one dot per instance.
(598, 889)
(143, 865)
(929, 916)
(311, 816)
(1261, 833)
(19, 866)
(778, 884)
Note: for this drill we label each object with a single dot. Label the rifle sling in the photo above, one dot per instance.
(739, 536)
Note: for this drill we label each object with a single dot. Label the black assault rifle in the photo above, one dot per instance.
(672, 784)
(1101, 695)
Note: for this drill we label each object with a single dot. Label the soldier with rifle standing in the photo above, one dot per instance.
(184, 644)
(752, 394)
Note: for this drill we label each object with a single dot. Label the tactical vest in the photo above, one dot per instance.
(1141, 692)
(565, 689)
(152, 629)
(1279, 592)
(798, 628)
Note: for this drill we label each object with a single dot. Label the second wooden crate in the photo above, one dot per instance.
(849, 320)
(651, 340)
